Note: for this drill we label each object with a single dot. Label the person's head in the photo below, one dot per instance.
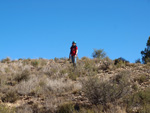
(74, 43)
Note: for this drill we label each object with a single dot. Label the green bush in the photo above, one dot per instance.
(66, 108)
(35, 63)
(23, 76)
(10, 96)
(99, 53)
(120, 64)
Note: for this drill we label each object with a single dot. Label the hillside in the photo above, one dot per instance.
(55, 86)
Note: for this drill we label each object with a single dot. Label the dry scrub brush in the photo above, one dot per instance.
(102, 92)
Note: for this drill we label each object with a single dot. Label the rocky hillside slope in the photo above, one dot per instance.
(55, 86)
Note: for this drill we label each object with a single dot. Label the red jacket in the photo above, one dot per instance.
(73, 50)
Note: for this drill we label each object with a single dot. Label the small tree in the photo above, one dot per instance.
(146, 53)
(99, 53)
(138, 61)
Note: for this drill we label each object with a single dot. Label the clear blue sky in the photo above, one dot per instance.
(46, 28)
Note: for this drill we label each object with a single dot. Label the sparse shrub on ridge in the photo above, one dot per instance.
(26, 61)
(56, 59)
(120, 62)
(107, 64)
(99, 54)
(42, 62)
(35, 63)
(6, 60)
(138, 61)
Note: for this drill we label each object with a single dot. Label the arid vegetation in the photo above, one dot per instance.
(55, 86)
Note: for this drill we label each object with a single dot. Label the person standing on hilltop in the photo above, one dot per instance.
(73, 53)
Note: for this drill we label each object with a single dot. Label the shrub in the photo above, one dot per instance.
(7, 70)
(86, 67)
(99, 53)
(20, 59)
(51, 103)
(56, 59)
(141, 100)
(10, 96)
(77, 108)
(7, 60)
(147, 60)
(24, 109)
(35, 63)
(73, 76)
(28, 87)
(23, 76)
(26, 61)
(107, 64)
(141, 78)
(5, 109)
(147, 66)
(138, 61)
(64, 71)
(43, 62)
(92, 88)
(51, 70)
(90, 68)
(66, 108)
(101, 92)
(145, 109)
(59, 86)
(74, 73)
(135, 87)
(121, 62)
